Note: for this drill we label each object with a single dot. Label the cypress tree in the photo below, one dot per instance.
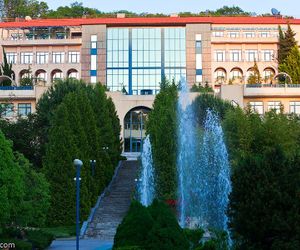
(286, 42)
(59, 170)
(291, 65)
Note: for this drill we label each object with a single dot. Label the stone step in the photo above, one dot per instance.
(114, 204)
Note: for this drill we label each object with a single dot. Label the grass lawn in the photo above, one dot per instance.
(62, 231)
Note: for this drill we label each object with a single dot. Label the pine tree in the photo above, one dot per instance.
(291, 65)
(286, 42)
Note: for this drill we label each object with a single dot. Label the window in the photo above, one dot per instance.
(42, 57)
(264, 34)
(295, 107)
(220, 55)
(218, 33)
(11, 57)
(7, 109)
(267, 55)
(24, 109)
(141, 68)
(236, 74)
(74, 57)
(58, 57)
(93, 41)
(26, 57)
(198, 47)
(220, 76)
(235, 55)
(257, 107)
(268, 73)
(251, 55)
(249, 34)
(274, 105)
(233, 34)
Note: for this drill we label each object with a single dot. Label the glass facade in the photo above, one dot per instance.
(138, 58)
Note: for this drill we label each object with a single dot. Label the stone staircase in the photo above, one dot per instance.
(114, 204)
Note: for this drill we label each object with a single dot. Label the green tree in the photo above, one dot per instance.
(23, 8)
(44, 112)
(22, 133)
(36, 198)
(291, 65)
(6, 69)
(255, 77)
(231, 11)
(286, 42)
(12, 186)
(264, 203)
(162, 128)
(76, 9)
(87, 130)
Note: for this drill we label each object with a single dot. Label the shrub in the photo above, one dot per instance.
(194, 236)
(150, 228)
(39, 239)
(134, 228)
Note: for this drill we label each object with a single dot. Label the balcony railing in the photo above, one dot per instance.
(272, 85)
(16, 87)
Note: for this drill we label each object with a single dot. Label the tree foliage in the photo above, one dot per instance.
(291, 65)
(286, 42)
(23, 8)
(85, 118)
(6, 69)
(24, 192)
(150, 228)
(255, 77)
(264, 154)
(162, 128)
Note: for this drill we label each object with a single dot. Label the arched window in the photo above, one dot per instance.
(73, 73)
(220, 76)
(236, 75)
(134, 129)
(56, 74)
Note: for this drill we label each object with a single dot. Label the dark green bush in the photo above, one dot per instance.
(166, 232)
(151, 228)
(194, 236)
(39, 239)
(134, 228)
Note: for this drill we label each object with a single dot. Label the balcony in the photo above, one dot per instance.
(48, 41)
(243, 39)
(271, 90)
(21, 92)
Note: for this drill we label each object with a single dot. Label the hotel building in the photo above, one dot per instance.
(132, 55)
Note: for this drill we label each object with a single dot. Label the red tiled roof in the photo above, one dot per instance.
(148, 21)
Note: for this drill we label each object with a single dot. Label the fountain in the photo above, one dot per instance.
(203, 169)
(146, 185)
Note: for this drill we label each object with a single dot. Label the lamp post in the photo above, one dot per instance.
(77, 163)
(93, 165)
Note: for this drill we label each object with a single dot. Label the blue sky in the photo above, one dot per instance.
(287, 7)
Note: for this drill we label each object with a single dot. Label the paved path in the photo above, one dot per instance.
(84, 244)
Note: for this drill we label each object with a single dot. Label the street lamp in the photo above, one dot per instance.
(77, 163)
(93, 165)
